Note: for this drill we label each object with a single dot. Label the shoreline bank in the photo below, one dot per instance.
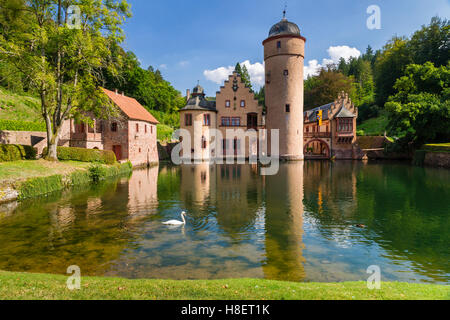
(42, 182)
(25, 286)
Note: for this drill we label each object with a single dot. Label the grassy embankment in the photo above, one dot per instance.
(39, 177)
(374, 126)
(50, 287)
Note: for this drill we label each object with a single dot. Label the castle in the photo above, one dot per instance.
(322, 133)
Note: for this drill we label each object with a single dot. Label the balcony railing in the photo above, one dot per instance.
(317, 134)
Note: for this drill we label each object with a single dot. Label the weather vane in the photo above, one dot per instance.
(284, 11)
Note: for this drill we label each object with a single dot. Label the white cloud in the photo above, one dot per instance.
(163, 66)
(312, 68)
(257, 73)
(218, 75)
(335, 53)
(255, 70)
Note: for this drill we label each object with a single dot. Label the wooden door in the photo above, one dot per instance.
(118, 152)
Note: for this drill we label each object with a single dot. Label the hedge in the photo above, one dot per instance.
(18, 125)
(15, 152)
(85, 155)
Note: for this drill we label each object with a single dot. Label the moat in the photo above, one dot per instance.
(314, 221)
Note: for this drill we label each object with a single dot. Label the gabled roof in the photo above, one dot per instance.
(131, 107)
(345, 113)
(200, 103)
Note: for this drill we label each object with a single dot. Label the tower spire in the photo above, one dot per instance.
(284, 11)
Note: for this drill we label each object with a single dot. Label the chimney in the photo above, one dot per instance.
(117, 91)
(188, 94)
(123, 94)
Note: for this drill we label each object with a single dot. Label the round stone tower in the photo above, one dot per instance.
(284, 52)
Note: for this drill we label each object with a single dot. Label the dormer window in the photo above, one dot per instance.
(242, 103)
(228, 104)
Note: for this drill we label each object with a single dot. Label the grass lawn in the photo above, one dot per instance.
(51, 287)
(25, 169)
(19, 107)
(373, 127)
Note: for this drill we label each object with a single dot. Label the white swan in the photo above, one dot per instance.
(176, 222)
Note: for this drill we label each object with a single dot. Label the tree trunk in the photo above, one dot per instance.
(52, 151)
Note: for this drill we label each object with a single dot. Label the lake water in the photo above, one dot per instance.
(300, 225)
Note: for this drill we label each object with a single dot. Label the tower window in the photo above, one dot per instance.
(188, 120)
(279, 44)
(286, 72)
(206, 120)
(288, 108)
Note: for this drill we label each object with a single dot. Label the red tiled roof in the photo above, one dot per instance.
(133, 109)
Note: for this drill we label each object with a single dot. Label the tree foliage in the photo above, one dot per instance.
(325, 87)
(61, 63)
(245, 76)
(146, 86)
(420, 108)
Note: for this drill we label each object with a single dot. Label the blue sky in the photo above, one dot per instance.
(199, 39)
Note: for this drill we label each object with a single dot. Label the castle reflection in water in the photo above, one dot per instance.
(298, 225)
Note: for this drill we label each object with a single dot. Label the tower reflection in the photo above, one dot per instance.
(284, 224)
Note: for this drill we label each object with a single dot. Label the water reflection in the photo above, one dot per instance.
(284, 224)
(299, 225)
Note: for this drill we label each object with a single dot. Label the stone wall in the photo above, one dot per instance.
(142, 147)
(437, 159)
(37, 140)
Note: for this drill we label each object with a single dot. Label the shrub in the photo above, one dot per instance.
(85, 155)
(18, 125)
(97, 172)
(14, 152)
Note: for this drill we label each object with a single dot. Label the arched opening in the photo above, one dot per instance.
(317, 149)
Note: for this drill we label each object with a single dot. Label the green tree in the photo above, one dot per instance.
(146, 86)
(419, 111)
(245, 76)
(325, 87)
(431, 43)
(390, 66)
(61, 62)
(261, 97)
